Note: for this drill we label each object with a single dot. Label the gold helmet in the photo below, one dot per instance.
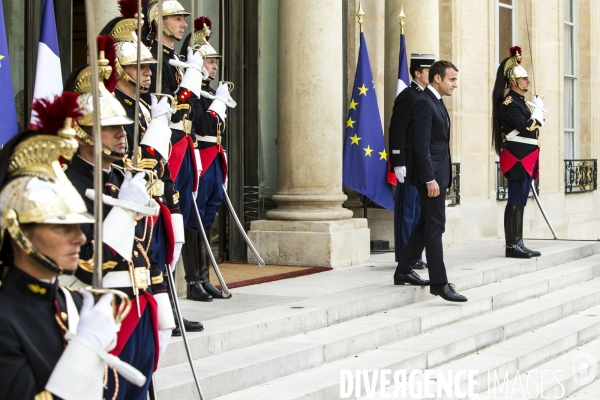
(512, 68)
(38, 190)
(202, 32)
(170, 7)
(111, 111)
(127, 55)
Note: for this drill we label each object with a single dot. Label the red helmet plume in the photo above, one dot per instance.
(513, 52)
(128, 8)
(51, 114)
(111, 55)
(200, 22)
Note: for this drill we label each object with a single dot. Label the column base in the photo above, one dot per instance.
(334, 244)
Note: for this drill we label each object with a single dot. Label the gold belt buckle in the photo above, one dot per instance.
(140, 275)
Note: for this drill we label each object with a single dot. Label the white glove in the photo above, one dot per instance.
(400, 173)
(134, 189)
(176, 254)
(161, 110)
(538, 115)
(538, 102)
(164, 336)
(194, 58)
(222, 92)
(198, 161)
(96, 321)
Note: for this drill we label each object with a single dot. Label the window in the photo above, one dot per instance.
(570, 84)
(506, 22)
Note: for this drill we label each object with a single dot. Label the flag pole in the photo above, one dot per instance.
(360, 14)
(401, 17)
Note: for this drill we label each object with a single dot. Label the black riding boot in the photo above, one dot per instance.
(513, 232)
(192, 264)
(204, 271)
(533, 253)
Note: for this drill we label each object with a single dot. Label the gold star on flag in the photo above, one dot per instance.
(354, 139)
(362, 90)
(368, 151)
(350, 123)
(353, 104)
(383, 155)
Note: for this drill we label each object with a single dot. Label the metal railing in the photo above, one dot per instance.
(502, 185)
(581, 176)
(453, 193)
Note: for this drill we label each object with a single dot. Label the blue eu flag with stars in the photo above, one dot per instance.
(8, 127)
(365, 158)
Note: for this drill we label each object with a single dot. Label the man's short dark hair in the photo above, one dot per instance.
(413, 69)
(439, 68)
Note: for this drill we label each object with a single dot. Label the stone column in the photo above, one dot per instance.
(104, 11)
(309, 226)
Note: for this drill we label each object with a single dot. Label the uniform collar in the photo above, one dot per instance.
(514, 94)
(29, 285)
(127, 101)
(416, 86)
(86, 167)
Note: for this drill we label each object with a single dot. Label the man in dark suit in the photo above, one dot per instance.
(407, 208)
(429, 169)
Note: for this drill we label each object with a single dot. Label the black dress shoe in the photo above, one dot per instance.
(516, 251)
(195, 291)
(446, 291)
(213, 291)
(411, 278)
(190, 326)
(419, 265)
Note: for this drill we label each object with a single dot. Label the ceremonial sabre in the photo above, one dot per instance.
(136, 120)
(224, 290)
(261, 262)
(535, 195)
(97, 135)
(171, 283)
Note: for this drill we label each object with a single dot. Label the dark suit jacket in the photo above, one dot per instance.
(400, 124)
(430, 142)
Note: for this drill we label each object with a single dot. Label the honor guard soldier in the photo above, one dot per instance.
(515, 132)
(407, 209)
(53, 341)
(155, 136)
(209, 124)
(128, 263)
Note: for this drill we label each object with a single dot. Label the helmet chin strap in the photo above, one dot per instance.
(113, 153)
(25, 244)
(170, 34)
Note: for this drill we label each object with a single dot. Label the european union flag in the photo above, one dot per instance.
(8, 127)
(365, 158)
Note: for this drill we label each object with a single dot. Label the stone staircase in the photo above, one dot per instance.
(291, 339)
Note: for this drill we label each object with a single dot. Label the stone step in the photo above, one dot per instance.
(573, 371)
(265, 362)
(589, 392)
(522, 354)
(366, 294)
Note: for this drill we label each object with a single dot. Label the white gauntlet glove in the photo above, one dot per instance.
(134, 189)
(96, 321)
(219, 103)
(161, 110)
(400, 173)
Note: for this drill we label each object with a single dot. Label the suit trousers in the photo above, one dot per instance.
(427, 235)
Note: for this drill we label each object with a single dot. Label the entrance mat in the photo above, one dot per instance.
(242, 274)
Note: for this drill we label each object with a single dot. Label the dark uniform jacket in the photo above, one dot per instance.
(81, 175)
(31, 339)
(515, 114)
(148, 158)
(400, 124)
(430, 141)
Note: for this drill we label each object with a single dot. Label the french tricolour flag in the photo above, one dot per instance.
(48, 75)
(403, 80)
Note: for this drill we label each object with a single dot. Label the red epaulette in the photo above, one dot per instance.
(186, 94)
